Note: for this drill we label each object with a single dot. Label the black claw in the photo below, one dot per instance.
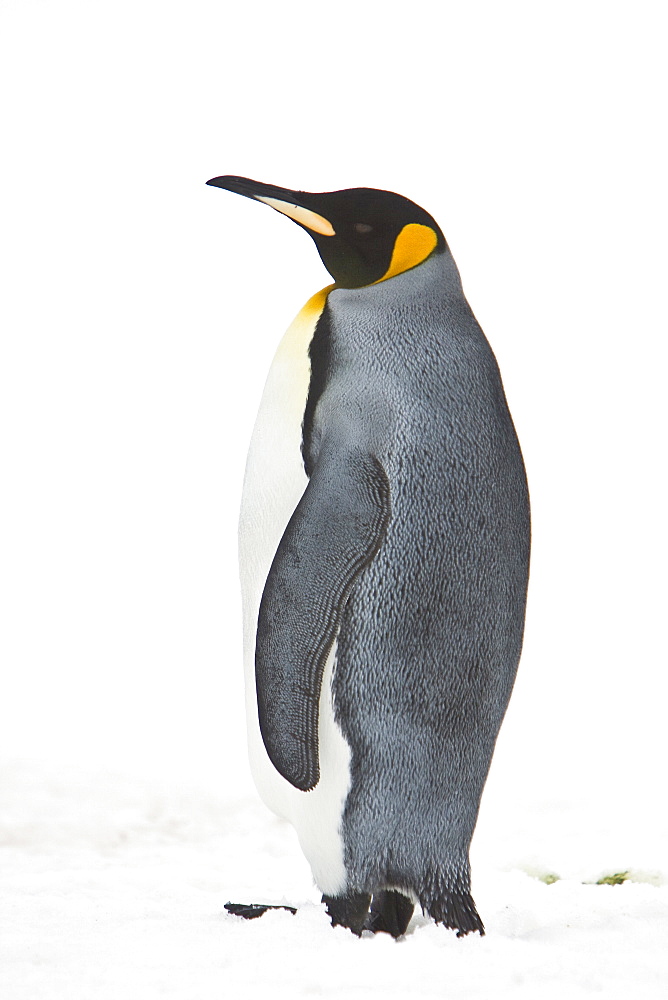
(349, 911)
(391, 913)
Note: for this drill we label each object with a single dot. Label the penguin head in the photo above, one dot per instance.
(363, 235)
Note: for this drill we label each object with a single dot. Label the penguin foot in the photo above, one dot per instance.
(391, 912)
(349, 911)
(457, 911)
(249, 911)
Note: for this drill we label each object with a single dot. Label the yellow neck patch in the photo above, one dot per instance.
(413, 245)
(316, 303)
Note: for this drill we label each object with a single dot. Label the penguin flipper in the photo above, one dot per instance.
(335, 531)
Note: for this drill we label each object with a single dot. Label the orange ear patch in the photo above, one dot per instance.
(413, 245)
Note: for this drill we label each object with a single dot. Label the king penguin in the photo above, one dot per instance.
(384, 554)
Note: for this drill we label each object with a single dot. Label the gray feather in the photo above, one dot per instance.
(431, 633)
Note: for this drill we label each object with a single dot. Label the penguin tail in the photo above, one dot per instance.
(455, 910)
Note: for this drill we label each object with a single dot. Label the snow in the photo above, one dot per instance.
(114, 886)
(139, 312)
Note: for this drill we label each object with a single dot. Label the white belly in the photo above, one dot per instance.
(273, 485)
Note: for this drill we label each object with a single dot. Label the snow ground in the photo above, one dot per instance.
(114, 886)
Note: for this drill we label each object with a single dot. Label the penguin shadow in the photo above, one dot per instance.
(386, 912)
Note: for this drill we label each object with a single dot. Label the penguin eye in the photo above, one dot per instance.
(362, 228)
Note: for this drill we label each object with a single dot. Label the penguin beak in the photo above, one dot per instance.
(290, 203)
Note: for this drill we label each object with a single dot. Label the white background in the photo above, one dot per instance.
(140, 310)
